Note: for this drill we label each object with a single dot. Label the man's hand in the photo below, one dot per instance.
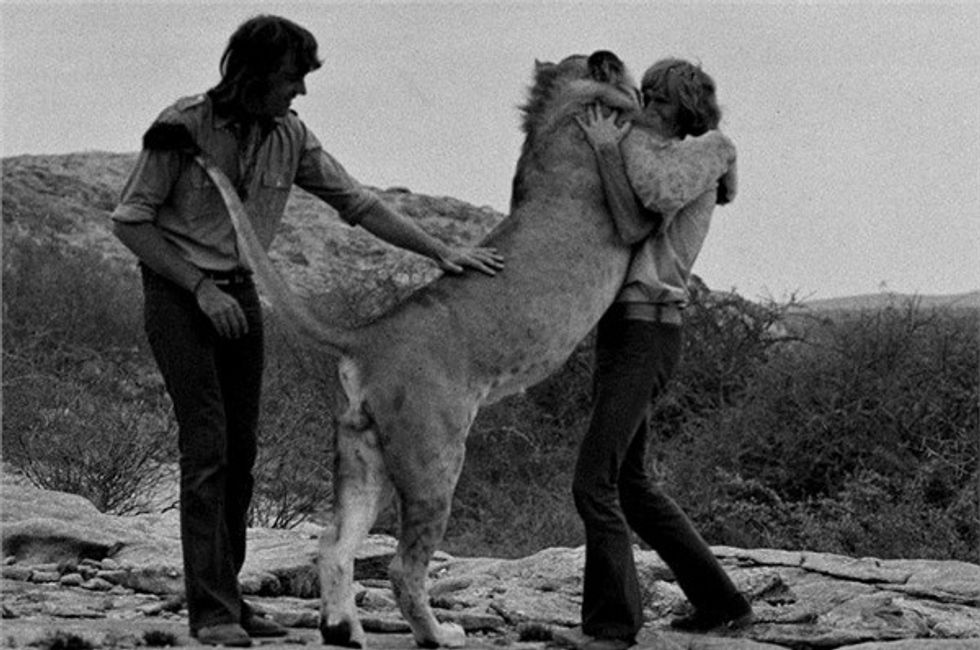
(485, 260)
(224, 311)
(602, 129)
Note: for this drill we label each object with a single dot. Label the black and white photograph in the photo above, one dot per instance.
(540, 324)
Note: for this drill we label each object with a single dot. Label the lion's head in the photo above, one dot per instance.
(560, 89)
(554, 144)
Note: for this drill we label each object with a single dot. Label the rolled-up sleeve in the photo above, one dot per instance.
(148, 186)
(323, 176)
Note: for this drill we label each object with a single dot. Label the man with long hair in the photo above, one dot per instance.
(202, 314)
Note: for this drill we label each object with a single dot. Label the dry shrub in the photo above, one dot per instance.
(294, 468)
(79, 416)
(864, 438)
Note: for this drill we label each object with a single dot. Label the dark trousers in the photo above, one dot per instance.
(613, 492)
(215, 385)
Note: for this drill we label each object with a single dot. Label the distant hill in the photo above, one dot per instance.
(874, 301)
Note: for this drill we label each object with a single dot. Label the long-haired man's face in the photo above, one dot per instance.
(273, 94)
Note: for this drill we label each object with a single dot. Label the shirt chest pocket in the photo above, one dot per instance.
(196, 196)
(272, 192)
(276, 181)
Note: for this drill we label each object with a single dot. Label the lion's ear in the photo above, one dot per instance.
(606, 67)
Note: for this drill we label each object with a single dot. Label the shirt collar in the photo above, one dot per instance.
(228, 121)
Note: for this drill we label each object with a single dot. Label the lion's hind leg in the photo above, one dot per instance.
(361, 489)
(423, 524)
(425, 468)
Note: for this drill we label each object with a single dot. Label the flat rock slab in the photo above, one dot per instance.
(110, 633)
(67, 566)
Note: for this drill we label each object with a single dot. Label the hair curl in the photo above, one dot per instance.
(689, 88)
(260, 47)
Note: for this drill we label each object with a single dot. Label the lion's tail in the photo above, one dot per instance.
(301, 324)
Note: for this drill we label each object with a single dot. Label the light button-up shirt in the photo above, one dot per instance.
(169, 189)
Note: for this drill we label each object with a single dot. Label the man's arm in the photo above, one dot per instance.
(632, 221)
(149, 246)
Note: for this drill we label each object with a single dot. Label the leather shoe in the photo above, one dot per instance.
(736, 616)
(229, 634)
(599, 643)
(259, 627)
(575, 639)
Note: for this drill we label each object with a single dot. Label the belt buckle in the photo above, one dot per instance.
(230, 278)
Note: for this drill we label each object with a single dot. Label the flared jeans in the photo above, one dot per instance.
(613, 492)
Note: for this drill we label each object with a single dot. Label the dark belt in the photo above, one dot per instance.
(230, 278)
(656, 313)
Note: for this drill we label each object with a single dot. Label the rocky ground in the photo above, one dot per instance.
(76, 578)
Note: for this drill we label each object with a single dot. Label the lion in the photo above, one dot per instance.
(414, 379)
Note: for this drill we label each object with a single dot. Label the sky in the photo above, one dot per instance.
(857, 123)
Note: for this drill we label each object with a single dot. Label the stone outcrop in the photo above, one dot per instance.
(68, 566)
